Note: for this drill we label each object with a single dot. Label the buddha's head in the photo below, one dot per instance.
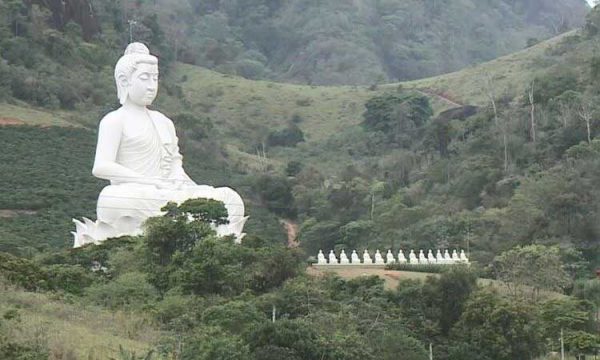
(136, 75)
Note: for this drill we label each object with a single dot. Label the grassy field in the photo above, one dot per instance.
(11, 114)
(85, 331)
(238, 106)
(510, 74)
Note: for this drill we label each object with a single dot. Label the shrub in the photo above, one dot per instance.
(425, 268)
(290, 136)
(23, 272)
(130, 289)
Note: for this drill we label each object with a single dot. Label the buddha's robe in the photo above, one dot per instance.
(154, 153)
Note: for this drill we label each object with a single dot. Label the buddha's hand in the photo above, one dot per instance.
(165, 184)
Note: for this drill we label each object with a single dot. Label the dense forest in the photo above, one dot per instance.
(500, 159)
(310, 42)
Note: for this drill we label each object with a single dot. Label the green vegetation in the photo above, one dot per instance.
(183, 293)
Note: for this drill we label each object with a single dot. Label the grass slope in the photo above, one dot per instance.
(85, 331)
(240, 107)
(510, 74)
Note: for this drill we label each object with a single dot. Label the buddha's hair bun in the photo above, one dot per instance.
(137, 48)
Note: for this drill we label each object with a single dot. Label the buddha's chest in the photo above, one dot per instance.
(140, 128)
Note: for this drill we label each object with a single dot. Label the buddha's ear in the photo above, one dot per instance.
(123, 81)
(122, 88)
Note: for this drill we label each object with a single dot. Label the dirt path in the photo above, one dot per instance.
(442, 97)
(291, 229)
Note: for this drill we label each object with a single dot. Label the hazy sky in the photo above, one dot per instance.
(591, 2)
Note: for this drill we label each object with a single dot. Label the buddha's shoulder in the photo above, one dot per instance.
(115, 117)
(160, 116)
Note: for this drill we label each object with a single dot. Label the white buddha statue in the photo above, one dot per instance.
(354, 258)
(138, 153)
(379, 258)
(389, 257)
(430, 258)
(332, 259)
(321, 258)
(367, 257)
(401, 257)
(344, 258)
(412, 258)
(422, 257)
(439, 258)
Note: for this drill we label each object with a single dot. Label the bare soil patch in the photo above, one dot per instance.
(391, 277)
(9, 213)
(10, 121)
(291, 228)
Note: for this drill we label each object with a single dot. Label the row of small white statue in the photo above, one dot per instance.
(413, 259)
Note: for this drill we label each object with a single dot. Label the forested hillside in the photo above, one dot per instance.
(310, 42)
(360, 41)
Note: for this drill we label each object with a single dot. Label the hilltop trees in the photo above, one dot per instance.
(534, 266)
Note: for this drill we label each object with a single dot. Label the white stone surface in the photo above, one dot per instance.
(138, 153)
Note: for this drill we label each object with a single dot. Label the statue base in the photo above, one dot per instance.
(95, 232)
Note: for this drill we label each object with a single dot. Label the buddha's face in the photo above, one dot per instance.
(143, 84)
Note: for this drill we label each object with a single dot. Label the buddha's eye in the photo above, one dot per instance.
(155, 77)
(144, 76)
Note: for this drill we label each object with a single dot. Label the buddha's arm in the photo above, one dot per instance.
(105, 165)
(177, 171)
